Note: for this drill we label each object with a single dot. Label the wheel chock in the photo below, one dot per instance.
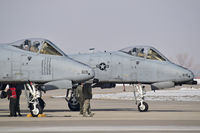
(41, 115)
(29, 115)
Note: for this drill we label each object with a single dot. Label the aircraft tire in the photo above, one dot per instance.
(144, 108)
(38, 111)
(73, 106)
(42, 104)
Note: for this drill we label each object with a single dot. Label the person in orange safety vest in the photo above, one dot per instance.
(12, 96)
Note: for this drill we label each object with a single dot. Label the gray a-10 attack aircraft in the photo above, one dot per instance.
(34, 64)
(135, 65)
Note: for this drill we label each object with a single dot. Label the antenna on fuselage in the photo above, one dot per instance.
(91, 50)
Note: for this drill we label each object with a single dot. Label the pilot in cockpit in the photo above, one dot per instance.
(141, 53)
(27, 44)
(133, 52)
(35, 47)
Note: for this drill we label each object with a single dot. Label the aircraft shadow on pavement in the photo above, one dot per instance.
(56, 110)
(173, 111)
(4, 115)
(135, 109)
(24, 112)
(115, 109)
(3, 109)
(104, 109)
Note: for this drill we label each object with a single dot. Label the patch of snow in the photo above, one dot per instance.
(183, 94)
(198, 80)
(122, 85)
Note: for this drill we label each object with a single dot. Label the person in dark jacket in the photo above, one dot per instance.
(87, 95)
(80, 97)
(12, 96)
(18, 94)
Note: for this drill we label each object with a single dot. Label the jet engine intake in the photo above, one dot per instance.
(104, 85)
(192, 82)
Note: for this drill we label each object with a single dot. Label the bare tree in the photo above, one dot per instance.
(184, 60)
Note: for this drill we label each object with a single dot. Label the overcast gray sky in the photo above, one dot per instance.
(172, 26)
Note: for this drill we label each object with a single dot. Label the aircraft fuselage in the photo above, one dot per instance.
(118, 67)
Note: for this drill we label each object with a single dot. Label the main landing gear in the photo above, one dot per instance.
(142, 106)
(72, 99)
(73, 104)
(34, 100)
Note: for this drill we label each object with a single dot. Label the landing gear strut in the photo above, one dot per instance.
(34, 100)
(72, 99)
(142, 106)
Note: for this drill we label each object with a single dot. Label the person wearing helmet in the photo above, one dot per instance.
(27, 45)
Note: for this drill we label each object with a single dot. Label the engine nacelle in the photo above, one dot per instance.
(60, 84)
(162, 85)
(105, 85)
(192, 82)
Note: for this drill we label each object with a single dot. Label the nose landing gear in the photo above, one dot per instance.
(142, 106)
(34, 100)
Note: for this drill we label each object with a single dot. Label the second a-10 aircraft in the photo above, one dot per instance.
(134, 65)
(38, 64)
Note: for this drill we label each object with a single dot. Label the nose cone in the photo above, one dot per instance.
(185, 75)
(190, 75)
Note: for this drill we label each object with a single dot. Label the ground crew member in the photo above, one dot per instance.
(87, 94)
(12, 96)
(18, 93)
(80, 97)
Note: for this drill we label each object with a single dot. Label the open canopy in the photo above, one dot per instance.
(145, 52)
(38, 45)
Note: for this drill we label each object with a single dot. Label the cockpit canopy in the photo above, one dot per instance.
(145, 52)
(41, 46)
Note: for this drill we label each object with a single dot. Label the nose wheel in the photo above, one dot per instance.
(35, 109)
(34, 100)
(142, 106)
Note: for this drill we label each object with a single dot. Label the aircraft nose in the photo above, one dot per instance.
(190, 74)
(187, 75)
